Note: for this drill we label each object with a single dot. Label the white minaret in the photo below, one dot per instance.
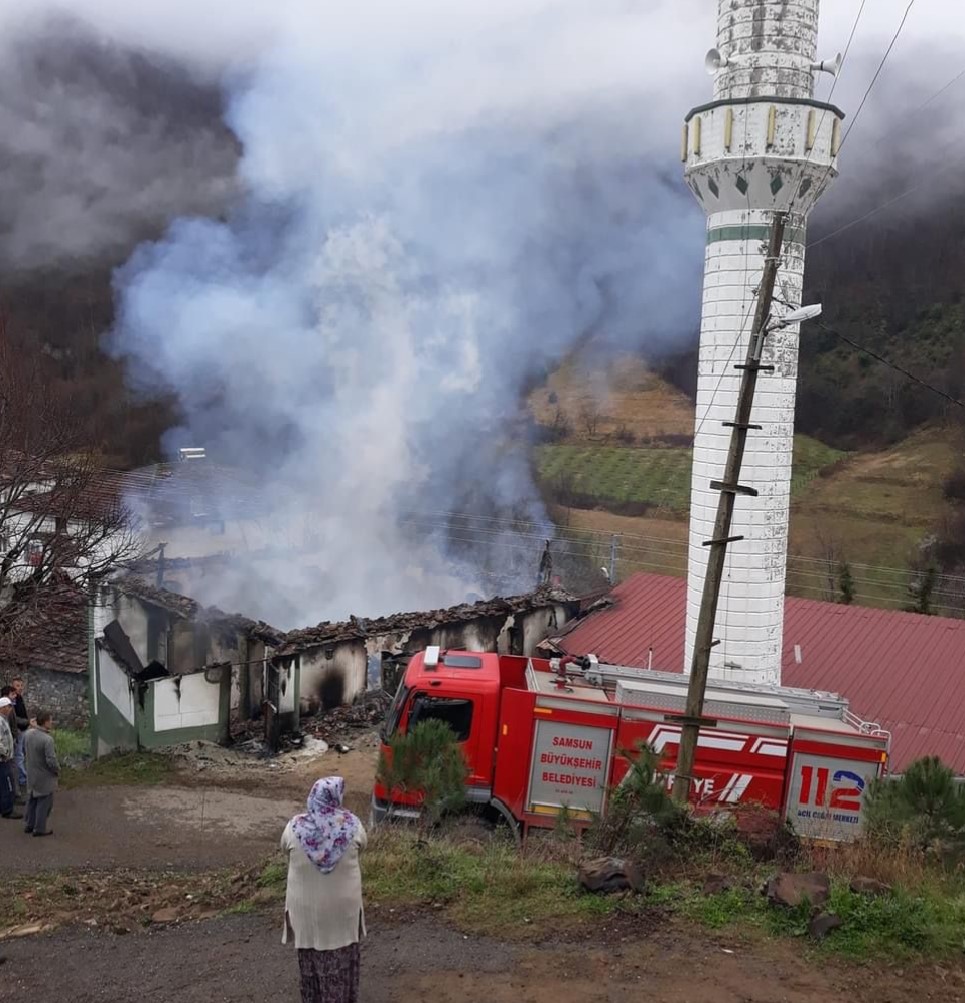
(762, 145)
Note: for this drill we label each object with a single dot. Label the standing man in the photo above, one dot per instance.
(23, 723)
(7, 791)
(42, 772)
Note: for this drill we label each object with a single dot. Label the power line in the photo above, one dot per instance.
(824, 112)
(874, 79)
(892, 365)
(940, 91)
(950, 161)
(930, 180)
(886, 362)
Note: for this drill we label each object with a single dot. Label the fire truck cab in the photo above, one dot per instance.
(541, 737)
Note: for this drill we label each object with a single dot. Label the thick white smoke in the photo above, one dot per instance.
(439, 200)
(435, 210)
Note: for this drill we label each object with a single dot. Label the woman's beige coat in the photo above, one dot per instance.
(323, 911)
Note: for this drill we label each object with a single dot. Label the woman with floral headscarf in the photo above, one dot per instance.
(323, 902)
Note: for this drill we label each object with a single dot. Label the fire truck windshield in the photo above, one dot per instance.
(394, 714)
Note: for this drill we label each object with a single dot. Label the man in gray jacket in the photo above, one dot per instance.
(42, 772)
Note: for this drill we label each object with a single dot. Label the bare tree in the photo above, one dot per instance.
(63, 522)
(590, 418)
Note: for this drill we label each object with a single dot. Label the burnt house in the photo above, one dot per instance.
(165, 670)
(333, 663)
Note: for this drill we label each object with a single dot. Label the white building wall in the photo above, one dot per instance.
(115, 685)
(764, 146)
(185, 702)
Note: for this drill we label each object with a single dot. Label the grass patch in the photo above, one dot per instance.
(71, 744)
(926, 922)
(489, 888)
(485, 888)
(904, 924)
(651, 475)
(274, 875)
(120, 768)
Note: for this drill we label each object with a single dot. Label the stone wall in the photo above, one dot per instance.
(64, 694)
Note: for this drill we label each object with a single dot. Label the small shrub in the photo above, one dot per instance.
(921, 588)
(845, 584)
(923, 808)
(642, 818)
(427, 762)
(625, 436)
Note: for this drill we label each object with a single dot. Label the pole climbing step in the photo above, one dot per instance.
(723, 540)
(734, 489)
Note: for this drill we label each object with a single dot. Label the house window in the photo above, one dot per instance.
(456, 713)
(35, 553)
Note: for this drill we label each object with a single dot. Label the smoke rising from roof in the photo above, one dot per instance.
(432, 215)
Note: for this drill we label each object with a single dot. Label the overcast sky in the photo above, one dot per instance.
(217, 32)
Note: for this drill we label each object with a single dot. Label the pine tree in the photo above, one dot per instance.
(428, 763)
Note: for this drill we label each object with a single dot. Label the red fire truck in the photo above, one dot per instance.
(544, 736)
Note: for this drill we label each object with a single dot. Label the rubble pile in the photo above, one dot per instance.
(246, 754)
(350, 726)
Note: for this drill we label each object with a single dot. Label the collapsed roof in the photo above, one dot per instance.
(190, 609)
(397, 623)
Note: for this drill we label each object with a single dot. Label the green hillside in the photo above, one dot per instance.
(635, 479)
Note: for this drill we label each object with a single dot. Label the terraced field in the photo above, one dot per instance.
(649, 476)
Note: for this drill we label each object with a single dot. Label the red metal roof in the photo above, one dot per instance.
(903, 670)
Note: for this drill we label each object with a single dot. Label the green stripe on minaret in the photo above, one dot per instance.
(753, 231)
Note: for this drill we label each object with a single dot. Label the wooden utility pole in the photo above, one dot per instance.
(729, 488)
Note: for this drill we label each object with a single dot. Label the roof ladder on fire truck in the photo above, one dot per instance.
(815, 703)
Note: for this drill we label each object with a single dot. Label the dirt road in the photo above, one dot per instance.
(202, 819)
(240, 959)
(185, 827)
